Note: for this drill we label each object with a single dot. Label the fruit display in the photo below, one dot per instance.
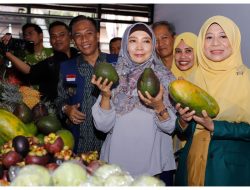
(74, 173)
(36, 151)
(43, 165)
(149, 82)
(22, 151)
(192, 96)
(11, 126)
(106, 70)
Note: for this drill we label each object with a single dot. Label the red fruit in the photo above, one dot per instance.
(52, 166)
(11, 158)
(94, 165)
(40, 160)
(55, 147)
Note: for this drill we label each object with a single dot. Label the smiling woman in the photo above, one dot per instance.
(185, 59)
(217, 150)
(137, 124)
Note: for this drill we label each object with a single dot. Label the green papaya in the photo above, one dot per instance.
(192, 96)
(106, 70)
(11, 126)
(148, 81)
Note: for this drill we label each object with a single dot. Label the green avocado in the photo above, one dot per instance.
(48, 124)
(106, 70)
(148, 81)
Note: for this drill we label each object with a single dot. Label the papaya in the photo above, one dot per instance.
(48, 124)
(106, 70)
(148, 81)
(11, 126)
(194, 97)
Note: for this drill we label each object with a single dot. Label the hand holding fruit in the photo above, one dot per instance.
(185, 115)
(155, 102)
(104, 86)
(205, 121)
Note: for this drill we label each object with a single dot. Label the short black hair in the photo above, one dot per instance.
(37, 28)
(114, 40)
(168, 25)
(58, 23)
(81, 18)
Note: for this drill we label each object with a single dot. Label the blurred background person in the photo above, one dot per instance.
(115, 45)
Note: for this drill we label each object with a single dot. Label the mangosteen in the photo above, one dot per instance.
(21, 145)
(54, 144)
(34, 159)
(11, 158)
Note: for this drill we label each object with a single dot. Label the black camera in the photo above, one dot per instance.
(18, 46)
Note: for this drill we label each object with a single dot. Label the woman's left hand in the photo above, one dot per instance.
(155, 102)
(205, 121)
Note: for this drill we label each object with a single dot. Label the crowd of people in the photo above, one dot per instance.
(147, 134)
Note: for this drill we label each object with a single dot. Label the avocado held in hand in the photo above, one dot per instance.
(148, 81)
(106, 70)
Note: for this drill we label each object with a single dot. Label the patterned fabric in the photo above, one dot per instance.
(34, 58)
(125, 97)
(87, 137)
(90, 139)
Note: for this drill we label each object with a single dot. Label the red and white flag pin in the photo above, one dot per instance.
(71, 78)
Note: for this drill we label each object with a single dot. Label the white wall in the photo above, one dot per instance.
(190, 17)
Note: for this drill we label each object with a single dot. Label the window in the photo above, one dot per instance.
(112, 18)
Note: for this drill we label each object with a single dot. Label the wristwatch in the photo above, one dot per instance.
(63, 108)
(162, 112)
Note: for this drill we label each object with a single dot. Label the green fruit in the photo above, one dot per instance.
(40, 138)
(67, 137)
(106, 70)
(23, 112)
(11, 126)
(192, 96)
(69, 174)
(148, 81)
(48, 124)
(32, 128)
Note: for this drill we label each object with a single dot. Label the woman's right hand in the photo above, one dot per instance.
(104, 87)
(185, 115)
